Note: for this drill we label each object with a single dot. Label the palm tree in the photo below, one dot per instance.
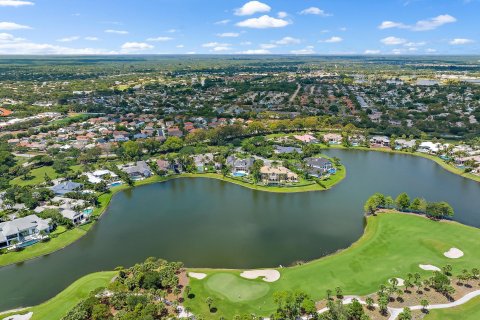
(424, 304)
(209, 302)
(369, 301)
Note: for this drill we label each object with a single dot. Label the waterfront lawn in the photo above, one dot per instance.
(467, 311)
(60, 238)
(393, 245)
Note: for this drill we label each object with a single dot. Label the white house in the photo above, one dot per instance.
(23, 230)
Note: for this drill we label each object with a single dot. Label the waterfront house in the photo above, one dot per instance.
(380, 141)
(137, 171)
(23, 230)
(277, 175)
(240, 165)
(318, 166)
(332, 138)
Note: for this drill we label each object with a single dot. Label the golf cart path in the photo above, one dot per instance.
(394, 312)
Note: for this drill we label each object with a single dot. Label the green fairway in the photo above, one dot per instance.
(467, 311)
(236, 289)
(392, 246)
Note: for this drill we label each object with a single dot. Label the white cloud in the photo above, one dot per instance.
(221, 49)
(287, 41)
(215, 44)
(68, 39)
(116, 31)
(415, 44)
(12, 45)
(397, 51)
(393, 41)
(460, 41)
(370, 51)
(160, 39)
(315, 11)
(7, 37)
(223, 21)
(228, 35)
(421, 25)
(136, 47)
(255, 51)
(172, 30)
(15, 3)
(252, 7)
(91, 38)
(245, 43)
(268, 46)
(180, 46)
(430, 50)
(306, 50)
(282, 14)
(343, 29)
(263, 22)
(332, 40)
(12, 26)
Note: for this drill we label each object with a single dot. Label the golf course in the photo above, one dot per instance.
(393, 245)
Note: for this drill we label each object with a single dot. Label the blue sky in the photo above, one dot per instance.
(233, 26)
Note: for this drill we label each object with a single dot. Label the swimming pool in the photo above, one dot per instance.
(88, 211)
(239, 174)
(28, 243)
(115, 184)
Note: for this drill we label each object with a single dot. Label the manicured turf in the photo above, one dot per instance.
(467, 311)
(57, 307)
(245, 290)
(393, 246)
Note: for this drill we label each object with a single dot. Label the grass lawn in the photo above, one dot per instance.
(38, 175)
(393, 245)
(57, 307)
(60, 239)
(467, 311)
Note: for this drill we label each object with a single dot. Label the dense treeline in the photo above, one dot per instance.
(434, 210)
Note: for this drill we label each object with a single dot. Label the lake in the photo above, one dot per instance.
(210, 223)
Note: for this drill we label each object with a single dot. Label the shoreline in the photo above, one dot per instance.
(107, 197)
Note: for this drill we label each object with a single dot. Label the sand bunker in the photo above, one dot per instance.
(400, 281)
(20, 316)
(196, 275)
(453, 253)
(268, 275)
(429, 267)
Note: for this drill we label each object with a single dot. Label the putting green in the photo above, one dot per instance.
(235, 288)
(393, 245)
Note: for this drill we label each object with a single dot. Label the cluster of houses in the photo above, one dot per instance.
(22, 231)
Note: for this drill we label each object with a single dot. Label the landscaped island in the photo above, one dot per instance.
(403, 247)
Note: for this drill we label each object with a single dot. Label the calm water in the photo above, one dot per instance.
(209, 223)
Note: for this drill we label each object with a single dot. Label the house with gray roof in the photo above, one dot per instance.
(240, 165)
(317, 166)
(137, 171)
(66, 187)
(23, 230)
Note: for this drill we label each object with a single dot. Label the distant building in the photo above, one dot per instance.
(66, 187)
